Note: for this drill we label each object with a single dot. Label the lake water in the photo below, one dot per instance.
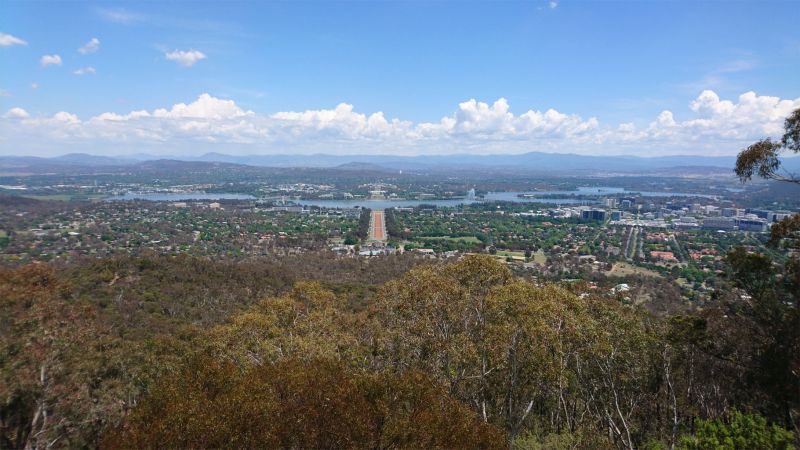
(499, 197)
(173, 197)
(490, 197)
(512, 196)
(383, 204)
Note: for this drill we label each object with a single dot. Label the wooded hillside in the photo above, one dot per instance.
(185, 352)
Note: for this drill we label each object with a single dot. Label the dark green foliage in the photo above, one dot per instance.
(752, 272)
(392, 226)
(759, 159)
(791, 136)
(787, 231)
(363, 223)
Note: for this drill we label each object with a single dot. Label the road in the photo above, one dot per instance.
(377, 226)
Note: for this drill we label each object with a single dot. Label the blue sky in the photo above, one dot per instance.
(274, 73)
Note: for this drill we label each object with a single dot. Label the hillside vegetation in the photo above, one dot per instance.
(183, 352)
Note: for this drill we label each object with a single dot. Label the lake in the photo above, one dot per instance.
(499, 197)
(384, 204)
(177, 197)
(490, 197)
(600, 191)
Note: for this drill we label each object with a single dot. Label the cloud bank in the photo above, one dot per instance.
(709, 126)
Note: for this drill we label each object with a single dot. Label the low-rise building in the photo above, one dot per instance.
(719, 223)
(757, 225)
(663, 256)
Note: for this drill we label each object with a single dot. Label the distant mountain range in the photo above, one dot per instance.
(71, 159)
(533, 161)
(528, 162)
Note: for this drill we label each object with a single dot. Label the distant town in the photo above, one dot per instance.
(608, 230)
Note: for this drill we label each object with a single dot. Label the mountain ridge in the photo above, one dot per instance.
(531, 161)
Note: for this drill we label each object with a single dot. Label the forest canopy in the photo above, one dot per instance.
(463, 354)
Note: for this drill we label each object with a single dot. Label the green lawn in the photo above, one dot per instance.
(503, 254)
(622, 269)
(538, 257)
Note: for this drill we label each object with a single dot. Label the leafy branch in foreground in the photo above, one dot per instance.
(762, 158)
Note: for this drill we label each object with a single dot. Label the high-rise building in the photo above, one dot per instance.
(593, 214)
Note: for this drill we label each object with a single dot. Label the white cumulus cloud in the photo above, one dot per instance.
(340, 122)
(185, 58)
(85, 71)
(709, 125)
(7, 40)
(90, 47)
(205, 107)
(16, 113)
(50, 60)
(751, 116)
(63, 116)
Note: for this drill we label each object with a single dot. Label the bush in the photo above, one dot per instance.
(744, 431)
(294, 404)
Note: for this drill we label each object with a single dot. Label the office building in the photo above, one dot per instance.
(757, 225)
(719, 223)
(593, 214)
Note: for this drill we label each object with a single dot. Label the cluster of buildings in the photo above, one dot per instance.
(694, 216)
(731, 219)
(352, 213)
(744, 219)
